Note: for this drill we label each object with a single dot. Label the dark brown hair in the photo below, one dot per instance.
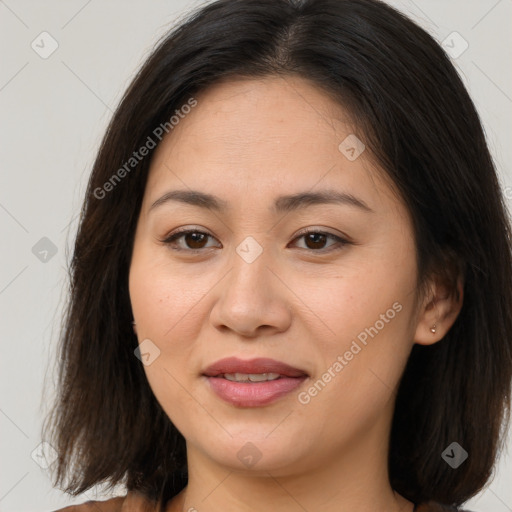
(420, 125)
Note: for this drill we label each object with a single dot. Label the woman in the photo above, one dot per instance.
(291, 284)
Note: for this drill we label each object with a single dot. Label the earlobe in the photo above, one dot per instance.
(134, 327)
(438, 313)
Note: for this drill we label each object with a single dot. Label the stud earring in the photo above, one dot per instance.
(433, 329)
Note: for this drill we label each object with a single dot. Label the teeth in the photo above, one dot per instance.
(251, 377)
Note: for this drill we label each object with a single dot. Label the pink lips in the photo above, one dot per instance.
(259, 365)
(253, 394)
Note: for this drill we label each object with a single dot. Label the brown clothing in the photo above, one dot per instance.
(134, 502)
(432, 506)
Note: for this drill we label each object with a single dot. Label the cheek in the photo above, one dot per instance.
(163, 303)
(358, 297)
(170, 310)
(163, 299)
(363, 330)
(360, 365)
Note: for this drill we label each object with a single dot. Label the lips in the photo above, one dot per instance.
(258, 365)
(252, 394)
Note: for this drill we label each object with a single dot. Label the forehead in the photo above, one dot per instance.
(258, 136)
(259, 114)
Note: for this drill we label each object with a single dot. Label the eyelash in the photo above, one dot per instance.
(173, 237)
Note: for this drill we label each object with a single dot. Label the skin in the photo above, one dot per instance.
(300, 302)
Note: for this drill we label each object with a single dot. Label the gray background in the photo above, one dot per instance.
(54, 111)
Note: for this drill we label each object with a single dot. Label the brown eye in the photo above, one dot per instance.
(316, 241)
(195, 240)
(191, 239)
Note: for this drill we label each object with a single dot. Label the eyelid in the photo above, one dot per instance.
(324, 231)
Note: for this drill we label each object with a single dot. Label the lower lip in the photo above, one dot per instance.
(255, 394)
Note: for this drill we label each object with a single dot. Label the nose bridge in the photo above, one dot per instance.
(250, 263)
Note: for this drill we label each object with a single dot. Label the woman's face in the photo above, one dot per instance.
(339, 304)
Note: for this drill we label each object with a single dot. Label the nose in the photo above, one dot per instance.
(253, 298)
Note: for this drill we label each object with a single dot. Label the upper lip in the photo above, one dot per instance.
(258, 365)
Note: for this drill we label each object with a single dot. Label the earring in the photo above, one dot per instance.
(433, 329)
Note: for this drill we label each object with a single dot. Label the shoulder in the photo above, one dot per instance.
(132, 502)
(433, 506)
(110, 505)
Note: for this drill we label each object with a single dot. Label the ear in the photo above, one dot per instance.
(438, 311)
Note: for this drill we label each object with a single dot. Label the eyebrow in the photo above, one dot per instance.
(282, 204)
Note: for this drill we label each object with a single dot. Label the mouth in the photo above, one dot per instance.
(259, 366)
(252, 383)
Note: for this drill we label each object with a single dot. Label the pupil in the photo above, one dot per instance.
(196, 238)
(314, 237)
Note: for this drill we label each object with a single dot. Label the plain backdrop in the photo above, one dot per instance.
(54, 110)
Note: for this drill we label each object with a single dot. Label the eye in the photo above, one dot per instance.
(315, 240)
(193, 240)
